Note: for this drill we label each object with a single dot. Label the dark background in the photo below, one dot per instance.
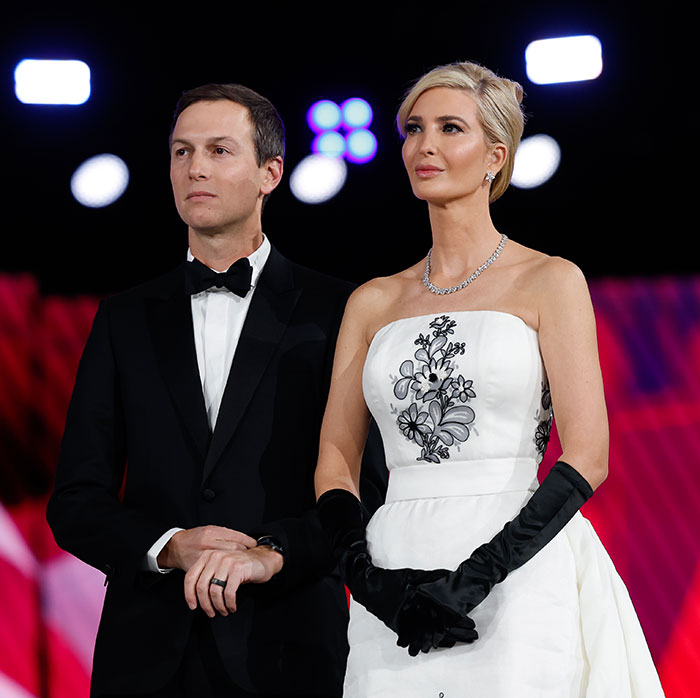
(612, 207)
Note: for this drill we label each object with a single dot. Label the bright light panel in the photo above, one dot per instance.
(566, 59)
(318, 178)
(52, 82)
(100, 180)
(536, 160)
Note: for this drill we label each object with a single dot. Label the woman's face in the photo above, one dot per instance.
(445, 152)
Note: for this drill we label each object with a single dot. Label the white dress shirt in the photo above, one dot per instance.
(218, 316)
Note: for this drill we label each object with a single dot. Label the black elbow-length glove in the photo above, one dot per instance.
(551, 507)
(385, 592)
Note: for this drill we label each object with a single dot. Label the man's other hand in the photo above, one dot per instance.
(185, 547)
(215, 577)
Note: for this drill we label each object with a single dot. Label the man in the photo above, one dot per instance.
(192, 437)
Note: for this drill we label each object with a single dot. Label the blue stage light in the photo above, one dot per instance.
(329, 143)
(564, 59)
(357, 113)
(52, 81)
(323, 115)
(362, 146)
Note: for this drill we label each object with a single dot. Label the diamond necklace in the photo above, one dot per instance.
(453, 289)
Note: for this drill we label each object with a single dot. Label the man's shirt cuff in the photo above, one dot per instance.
(151, 561)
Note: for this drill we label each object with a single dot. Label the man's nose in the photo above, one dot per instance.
(198, 166)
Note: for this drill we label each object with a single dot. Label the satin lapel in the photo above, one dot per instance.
(170, 321)
(270, 310)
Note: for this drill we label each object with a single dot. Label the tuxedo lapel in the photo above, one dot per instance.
(170, 321)
(273, 302)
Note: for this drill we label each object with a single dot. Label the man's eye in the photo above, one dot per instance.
(180, 152)
(220, 151)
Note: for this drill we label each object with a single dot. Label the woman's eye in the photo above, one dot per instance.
(412, 128)
(451, 128)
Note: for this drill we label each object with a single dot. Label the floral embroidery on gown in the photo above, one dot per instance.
(436, 416)
(463, 405)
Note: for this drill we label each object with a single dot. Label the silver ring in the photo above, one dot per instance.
(218, 582)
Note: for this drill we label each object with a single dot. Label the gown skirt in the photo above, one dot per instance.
(462, 403)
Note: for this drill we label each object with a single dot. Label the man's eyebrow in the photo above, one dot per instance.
(218, 139)
(209, 141)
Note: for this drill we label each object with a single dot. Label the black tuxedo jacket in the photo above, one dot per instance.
(138, 458)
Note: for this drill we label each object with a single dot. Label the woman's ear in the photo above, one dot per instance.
(498, 156)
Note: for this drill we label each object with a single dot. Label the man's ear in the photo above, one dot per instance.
(272, 176)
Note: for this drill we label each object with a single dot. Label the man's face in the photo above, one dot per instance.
(217, 183)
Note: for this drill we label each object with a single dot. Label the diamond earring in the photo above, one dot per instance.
(490, 176)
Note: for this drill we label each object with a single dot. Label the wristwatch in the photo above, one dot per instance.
(272, 542)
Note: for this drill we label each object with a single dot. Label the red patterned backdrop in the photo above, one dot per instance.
(647, 513)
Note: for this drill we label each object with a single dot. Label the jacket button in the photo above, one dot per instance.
(208, 495)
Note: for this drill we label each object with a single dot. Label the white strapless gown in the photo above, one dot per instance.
(463, 406)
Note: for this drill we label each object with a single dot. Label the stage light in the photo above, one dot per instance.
(357, 113)
(362, 146)
(52, 82)
(536, 160)
(100, 180)
(317, 178)
(324, 115)
(565, 59)
(329, 143)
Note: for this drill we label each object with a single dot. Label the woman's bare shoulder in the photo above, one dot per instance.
(374, 303)
(378, 294)
(544, 272)
(558, 292)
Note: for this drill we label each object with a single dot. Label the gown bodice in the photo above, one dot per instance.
(458, 388)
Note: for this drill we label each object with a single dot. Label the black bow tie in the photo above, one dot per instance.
(199, 277)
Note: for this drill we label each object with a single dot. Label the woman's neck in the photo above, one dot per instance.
(463, 238)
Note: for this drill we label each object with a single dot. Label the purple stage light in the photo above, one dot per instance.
(329, 143)
(324, 115)
(357, 113)
(362, 146)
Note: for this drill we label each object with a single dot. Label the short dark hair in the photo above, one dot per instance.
(268, 128)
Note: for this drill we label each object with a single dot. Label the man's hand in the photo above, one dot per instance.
(230, 570)
(185, 547)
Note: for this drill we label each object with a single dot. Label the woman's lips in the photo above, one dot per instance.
(428, 171)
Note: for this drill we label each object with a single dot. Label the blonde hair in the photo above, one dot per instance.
(498, 104)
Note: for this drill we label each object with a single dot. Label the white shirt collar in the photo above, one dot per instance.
(257, 259)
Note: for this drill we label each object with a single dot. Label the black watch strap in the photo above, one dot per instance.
(272, 542)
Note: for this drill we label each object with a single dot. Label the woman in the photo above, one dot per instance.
(460, 359)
